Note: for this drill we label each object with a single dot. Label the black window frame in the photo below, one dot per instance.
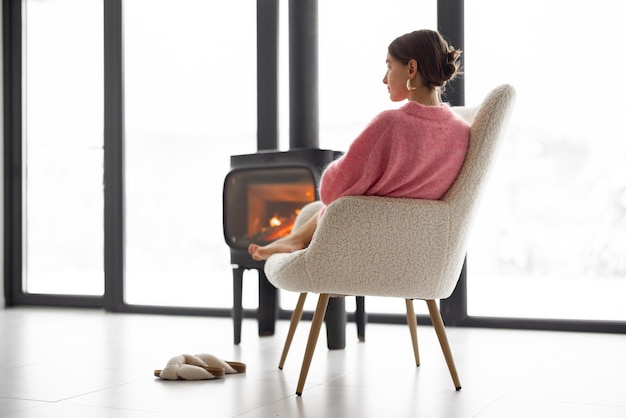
(450, 18)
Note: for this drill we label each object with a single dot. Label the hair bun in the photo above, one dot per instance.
(449, 69)
(451, 65)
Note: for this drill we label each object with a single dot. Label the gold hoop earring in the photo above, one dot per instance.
(409, 87)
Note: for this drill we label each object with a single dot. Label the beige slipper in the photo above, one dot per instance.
(229, 367)
(189, 367)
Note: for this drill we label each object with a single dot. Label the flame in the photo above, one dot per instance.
(279, 233)
(277, 227)
(275, 221)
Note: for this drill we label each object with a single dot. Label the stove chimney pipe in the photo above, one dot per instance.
(303, 75)
(267, 74)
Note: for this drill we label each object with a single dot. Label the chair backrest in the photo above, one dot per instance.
(464, 196)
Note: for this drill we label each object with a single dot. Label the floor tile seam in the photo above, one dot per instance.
(72, 401)
(503, 395)
(18, 398)
(28, 408)
(266, 405)
(24, 365)
(489, 405)
(100, 389)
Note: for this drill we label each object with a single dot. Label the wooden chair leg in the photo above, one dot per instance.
(440, 329)
(295, 319)
(316, 325)
(411, 319)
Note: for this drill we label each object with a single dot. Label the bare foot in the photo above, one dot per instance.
(259, 252)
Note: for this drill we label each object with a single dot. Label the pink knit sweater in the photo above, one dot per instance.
(415, 151)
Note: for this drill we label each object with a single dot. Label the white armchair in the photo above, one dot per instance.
(405, 248)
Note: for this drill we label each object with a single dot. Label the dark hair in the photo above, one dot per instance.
(437, 62)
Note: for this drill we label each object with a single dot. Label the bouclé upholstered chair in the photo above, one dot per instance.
(394, 247)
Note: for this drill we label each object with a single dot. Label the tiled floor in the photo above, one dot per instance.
(88, 363)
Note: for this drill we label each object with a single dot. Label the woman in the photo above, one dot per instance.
(415, 151)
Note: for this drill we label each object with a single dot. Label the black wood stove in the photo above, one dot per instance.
(263, 193)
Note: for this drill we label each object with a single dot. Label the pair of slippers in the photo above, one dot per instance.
(198, 367)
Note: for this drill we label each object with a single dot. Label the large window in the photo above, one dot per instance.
(63, 156)
(190, 96)
(550, 241)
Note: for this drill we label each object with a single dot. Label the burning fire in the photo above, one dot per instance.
(275, 221)
(278, 227)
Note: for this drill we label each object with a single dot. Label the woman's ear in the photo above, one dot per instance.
(412, 67)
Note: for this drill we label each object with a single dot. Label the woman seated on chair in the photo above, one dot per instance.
(415, 151)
